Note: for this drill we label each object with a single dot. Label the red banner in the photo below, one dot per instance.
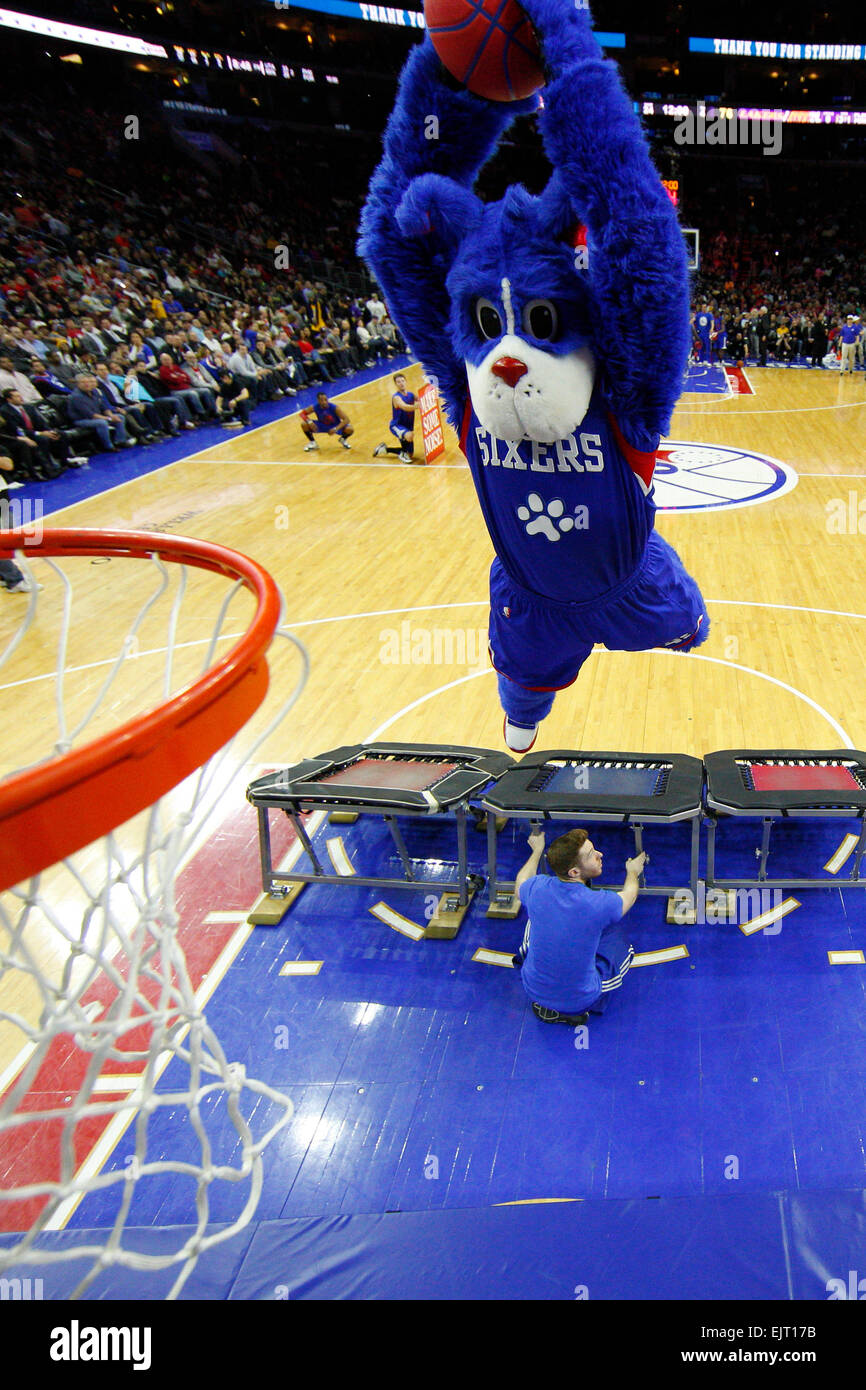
(431, 422)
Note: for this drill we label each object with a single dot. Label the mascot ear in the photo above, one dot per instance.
(440, 209)
(557, 216)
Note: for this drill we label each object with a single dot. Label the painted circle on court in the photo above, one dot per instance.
(698, 477)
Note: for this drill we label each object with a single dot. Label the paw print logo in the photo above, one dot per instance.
(541, 519)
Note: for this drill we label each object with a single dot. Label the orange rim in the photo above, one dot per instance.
(49, 812)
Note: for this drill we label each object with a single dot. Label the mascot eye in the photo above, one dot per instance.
(540, 319)
(488, 318)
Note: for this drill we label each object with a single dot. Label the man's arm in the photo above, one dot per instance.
(530, 868)
(633, 871)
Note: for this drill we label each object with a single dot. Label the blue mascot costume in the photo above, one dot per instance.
(558, 328)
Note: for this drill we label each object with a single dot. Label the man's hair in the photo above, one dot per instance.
(562, 852)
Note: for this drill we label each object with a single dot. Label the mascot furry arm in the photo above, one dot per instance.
(558, 329)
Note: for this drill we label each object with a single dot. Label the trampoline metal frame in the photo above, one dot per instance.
(272, 878)
(768, 815)
(500, 891)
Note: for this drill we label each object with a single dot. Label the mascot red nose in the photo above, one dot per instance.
(558, 329)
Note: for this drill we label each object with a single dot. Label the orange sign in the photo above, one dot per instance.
(431, 422)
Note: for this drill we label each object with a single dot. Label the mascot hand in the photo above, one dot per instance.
(564, 29)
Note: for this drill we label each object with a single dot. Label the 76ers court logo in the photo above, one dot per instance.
(696, 477)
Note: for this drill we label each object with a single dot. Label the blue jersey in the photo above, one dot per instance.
(403, 419)
(567, 924)
(703, 324)
(569, 520)
(326, 416)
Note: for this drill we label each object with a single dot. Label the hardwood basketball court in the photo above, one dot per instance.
(384, 569)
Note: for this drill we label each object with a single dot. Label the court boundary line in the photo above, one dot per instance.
(686, 656)
(421, 608)
(794, 410)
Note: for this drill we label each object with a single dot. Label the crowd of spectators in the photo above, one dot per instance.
(784, 271)
(114, 334)
(161, 296)
(97, 354)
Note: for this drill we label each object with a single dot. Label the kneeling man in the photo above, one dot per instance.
(574, 952)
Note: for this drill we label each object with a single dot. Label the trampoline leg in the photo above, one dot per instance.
(462, 854)
(858, 853)
(401, 847)
(305, 841)
(452, 907)
(265, 848)
(504, 902)
(638, 849)
(711, 851)
(695, 863)
(763, 852)
(275, 900)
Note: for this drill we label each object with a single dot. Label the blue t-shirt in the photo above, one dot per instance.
(703, 323)
(566, 924)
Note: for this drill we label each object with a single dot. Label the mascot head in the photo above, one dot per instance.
(522, 315)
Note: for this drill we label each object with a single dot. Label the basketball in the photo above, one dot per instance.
(490, 48)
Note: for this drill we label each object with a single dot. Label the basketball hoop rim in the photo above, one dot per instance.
(49, 812)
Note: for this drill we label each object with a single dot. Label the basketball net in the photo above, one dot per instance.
(106, 913)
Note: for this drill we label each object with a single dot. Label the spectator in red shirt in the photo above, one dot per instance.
(313, 360)
(199, 398)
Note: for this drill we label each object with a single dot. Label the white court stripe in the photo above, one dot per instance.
(766, 918)
(485, 957)
(795, 410)
(302, 967)
(216, 918)
(436, 607)
(674, 656)
(660, 957)
(316, 463)
(394, 919)
(339, 857)
(18, 1063)
(846, 958)
(844, 852)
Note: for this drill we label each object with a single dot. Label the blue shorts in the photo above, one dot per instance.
(541, 643)
(400, 431)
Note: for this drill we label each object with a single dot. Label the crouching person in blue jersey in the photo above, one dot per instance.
(325, 418)
(574, 952)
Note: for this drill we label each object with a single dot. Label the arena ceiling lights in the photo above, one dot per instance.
(76, 33)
